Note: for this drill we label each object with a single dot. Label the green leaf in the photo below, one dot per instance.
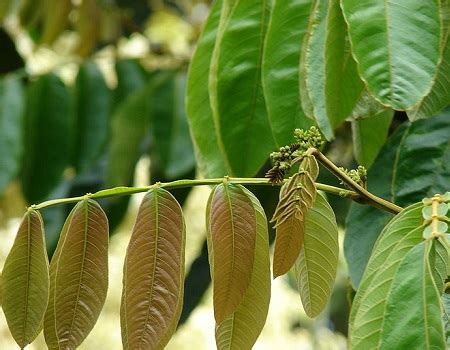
(399, 175)
(78, 277)
(204, 134)
(369, 135)
(413, 317)
(29, 12)
(342, 86)
(231, 234)
(399, 235)
(280, 68)
(172, 142)
(11, 126)
(47, 137)
(242, 328)
(152, 295)
(439, 96)
(314, 66)
(439, 256)
(5, 8)
(316, 266)
(92, 106)
(25, 280)
(56, 19)
(130, 78)
(446, 303)
(397, 47)
(235, 88)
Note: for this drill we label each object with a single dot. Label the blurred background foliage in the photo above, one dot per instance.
(91, 97)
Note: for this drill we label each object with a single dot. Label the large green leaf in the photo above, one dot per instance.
(342, 86)
(25, 280)
(204, 134)
(11, 126)
(241, 330)
(401, 234)
(397, 47)
(152, 295)
(171, 139)
(401, 175)
(231, 234)
(411, 317)
(92, 106)
(47, 137)
(235, 88)
(316, 266)
(130, 78)
(280, 67)
(369, 135)
(78, 277)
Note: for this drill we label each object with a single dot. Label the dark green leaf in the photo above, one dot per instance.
(280, 68)
(397, 47)
(235, 89)
(130, 78)
(11, 126)
(209, 156)
(47, 137)
(92, 99)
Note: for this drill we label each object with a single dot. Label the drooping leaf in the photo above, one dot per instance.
(399, 235)
(25, 280)
(231, 233)
(11, 126)
(92, 106)
(369, 135)
(152, 295)
(130, 78)
(235, 89)
(369, 306)
(413, 300)
(314, 66)
(342, 86)
(316, 266)
(242, 328)
(397, 47)
(280, 67)
(78, 277)
(56, 19)
(47, 137)
(172, 142)
(204, 134)
(399, 175)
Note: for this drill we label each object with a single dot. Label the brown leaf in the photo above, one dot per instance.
(152, 295)
(78, 277)
(232, 236)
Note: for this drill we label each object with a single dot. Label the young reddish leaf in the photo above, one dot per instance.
(25, 280)
(78, 277)
(152, 295)
(231, 227)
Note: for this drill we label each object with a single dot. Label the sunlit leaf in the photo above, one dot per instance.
(25, 280)
(231, 228)
(235, 88)
(280, 67)
(242, 328)
(78, 277)
(316, 266)
(204, 134)
(152, 294)
(413, 313)
(397, 47)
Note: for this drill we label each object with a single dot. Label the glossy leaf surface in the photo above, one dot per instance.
(242, 328)
(280, 67)
(11, 126)
(78, 277)
(47, 137)
(25, 280)
(397, 47)
(152, 294)
(316, 266)
(204, 134)
(231, 228)
(235, 89)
